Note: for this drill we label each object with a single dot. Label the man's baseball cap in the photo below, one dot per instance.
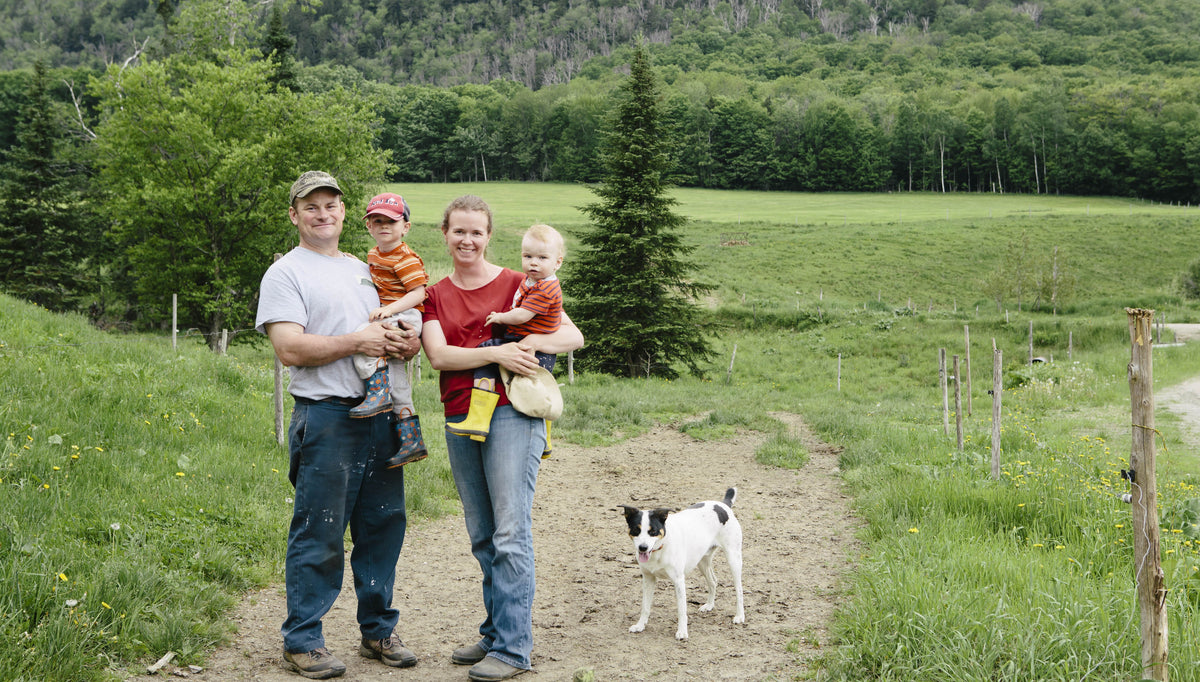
(388, 204)
(310, 181)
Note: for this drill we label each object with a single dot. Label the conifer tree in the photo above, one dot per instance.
(277, 47)
(46, 227)
(631, 289)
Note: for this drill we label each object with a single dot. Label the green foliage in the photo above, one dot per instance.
(197, 159)
(50, 236)
(630, 286)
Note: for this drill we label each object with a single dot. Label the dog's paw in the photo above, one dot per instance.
(706, 607)
(681, 633)
(741, 618)
(637, 627)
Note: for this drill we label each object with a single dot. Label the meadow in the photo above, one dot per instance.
(144, 491)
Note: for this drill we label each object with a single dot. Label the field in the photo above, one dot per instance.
(144, 492)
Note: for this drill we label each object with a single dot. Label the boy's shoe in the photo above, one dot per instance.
(378, 398)
(479, 417)
(492, 668)
(317, 664)
(412, 445)
(390, 650)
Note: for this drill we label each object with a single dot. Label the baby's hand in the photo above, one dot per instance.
(377, 314)
(491, 316)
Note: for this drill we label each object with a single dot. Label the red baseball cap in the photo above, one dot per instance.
(388, 204)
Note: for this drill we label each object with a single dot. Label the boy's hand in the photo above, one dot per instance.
(491, 318)
(377, 314)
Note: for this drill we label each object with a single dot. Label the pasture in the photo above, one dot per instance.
(144, 491)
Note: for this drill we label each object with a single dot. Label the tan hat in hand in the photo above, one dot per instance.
(533, 396)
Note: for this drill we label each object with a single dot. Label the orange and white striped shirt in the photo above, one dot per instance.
(396, 272)
(544, 299)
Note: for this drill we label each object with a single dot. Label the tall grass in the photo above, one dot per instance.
(144, 491)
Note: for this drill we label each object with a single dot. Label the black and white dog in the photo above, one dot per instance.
(669, 544)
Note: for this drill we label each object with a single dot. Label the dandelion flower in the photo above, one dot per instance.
(914, 530)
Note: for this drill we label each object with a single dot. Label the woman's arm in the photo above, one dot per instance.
(516, 357)
(563, 340)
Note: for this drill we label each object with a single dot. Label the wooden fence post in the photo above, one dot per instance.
(958, 405)
(997, 390)
(839, 373)
(174, 321)
(571, 367)
(1143, 488)
(945, 394)
(1031, 342)
(967, 369)
(732, 357)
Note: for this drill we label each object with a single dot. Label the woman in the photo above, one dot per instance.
(496, 477)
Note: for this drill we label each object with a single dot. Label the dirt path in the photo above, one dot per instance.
(799, 541)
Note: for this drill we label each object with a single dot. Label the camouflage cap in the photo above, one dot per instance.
(310, 181)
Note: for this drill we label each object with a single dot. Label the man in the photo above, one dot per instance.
(311, 301)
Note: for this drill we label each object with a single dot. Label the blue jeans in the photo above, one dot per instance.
(496, 481)
(337, 469)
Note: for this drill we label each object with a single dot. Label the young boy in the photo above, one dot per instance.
(536, 309)
(398, 273)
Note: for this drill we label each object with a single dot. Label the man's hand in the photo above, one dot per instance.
(403, 343)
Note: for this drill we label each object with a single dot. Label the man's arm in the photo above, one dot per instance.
(297, 348)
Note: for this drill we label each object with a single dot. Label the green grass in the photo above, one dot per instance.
(144, 490)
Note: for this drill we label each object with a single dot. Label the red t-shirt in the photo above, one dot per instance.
(462, 314)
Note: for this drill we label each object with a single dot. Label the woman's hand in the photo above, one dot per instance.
(517, 358)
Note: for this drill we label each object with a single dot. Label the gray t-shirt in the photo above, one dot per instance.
(327, 296)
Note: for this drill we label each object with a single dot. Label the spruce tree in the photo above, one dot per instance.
(45, 223)
(277, 46)
(630, 286)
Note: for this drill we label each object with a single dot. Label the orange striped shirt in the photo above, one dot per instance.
(544, 299)
(396, 272)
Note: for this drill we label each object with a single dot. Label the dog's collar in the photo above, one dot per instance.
(660, 545)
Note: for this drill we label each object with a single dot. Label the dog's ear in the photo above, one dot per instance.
(629, 511)
(661, 513)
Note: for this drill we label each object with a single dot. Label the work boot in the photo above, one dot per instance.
(412, 446)
(317, 664)
(549, 448)
(378, 398)
(479, 417)
(390, 651)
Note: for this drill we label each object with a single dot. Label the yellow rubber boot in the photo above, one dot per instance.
(549, 449)
(479, 418)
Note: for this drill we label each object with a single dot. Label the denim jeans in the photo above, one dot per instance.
(337, 470)
(496, 481)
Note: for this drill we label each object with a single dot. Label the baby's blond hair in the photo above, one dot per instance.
(548, 235)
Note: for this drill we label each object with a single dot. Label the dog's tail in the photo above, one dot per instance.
(730, 496)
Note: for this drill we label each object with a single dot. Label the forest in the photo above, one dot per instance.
(102, 106)
(1059, 96)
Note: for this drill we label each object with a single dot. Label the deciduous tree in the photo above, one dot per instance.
(198, 157)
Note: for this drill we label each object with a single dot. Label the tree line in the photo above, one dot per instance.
(157, 171)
